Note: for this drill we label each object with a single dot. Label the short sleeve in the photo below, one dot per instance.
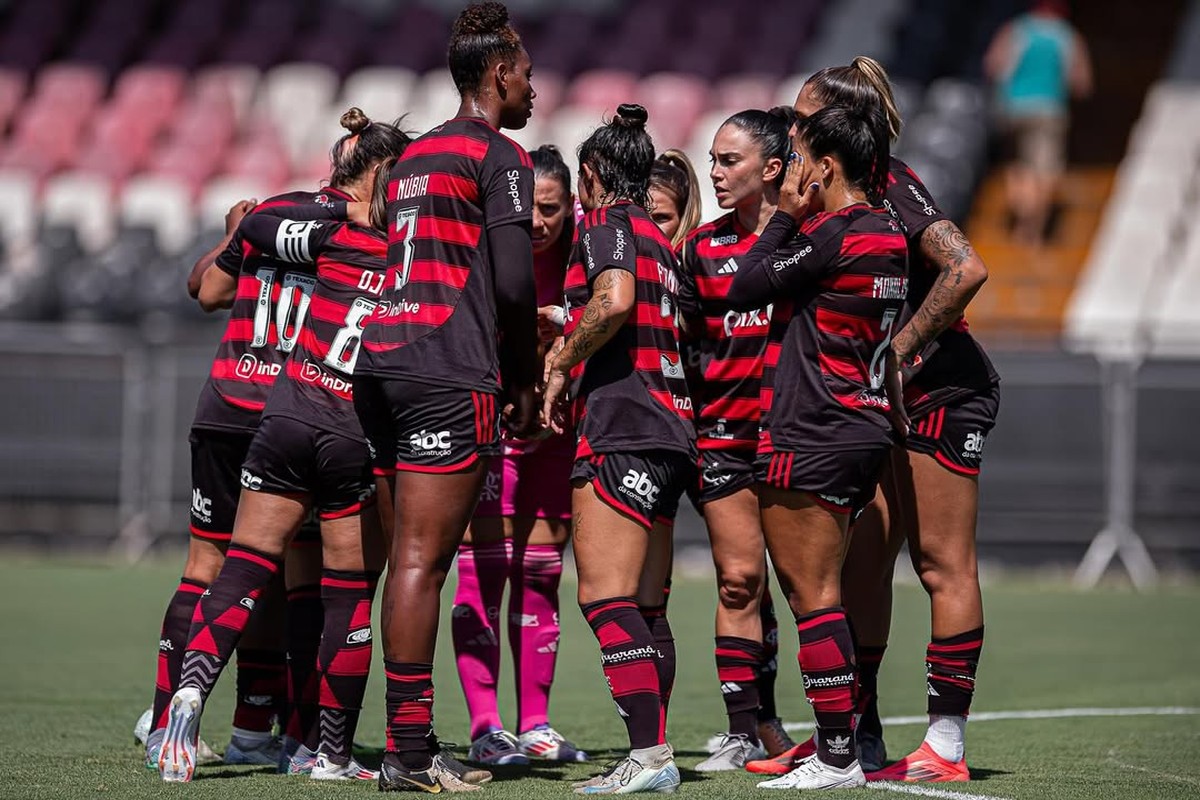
(608, 246)
(230, 259)
(507, 185)
(910, 202)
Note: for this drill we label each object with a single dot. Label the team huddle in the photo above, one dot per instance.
(454, 355)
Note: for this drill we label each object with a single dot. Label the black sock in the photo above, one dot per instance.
(737, 663)
(172, 643)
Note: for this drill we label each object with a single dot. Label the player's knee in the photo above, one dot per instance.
(203, 562)
(739, 589)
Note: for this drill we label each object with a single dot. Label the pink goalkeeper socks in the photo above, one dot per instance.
(482, 572)
(533, 628)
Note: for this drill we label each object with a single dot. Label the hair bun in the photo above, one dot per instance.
(481, 18)
(355, 120)
(631, 115)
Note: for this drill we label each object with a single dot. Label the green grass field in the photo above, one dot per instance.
(77, 661)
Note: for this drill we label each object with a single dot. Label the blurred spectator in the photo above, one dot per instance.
(1037, 61)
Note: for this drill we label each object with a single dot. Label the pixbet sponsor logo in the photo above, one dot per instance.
(638, 486)
(429, 443)
(792, 260)
(201, 507)
(514, 191)
(311, 373)
(250, 480)
(760, 318)
(248, 366)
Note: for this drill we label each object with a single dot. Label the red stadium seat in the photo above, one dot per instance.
(78, 87)
(602, 90)
(163, 204)
(739, 92)
(674, 102)
(12, 92)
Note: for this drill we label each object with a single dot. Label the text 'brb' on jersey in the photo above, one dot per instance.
(632, 392)
(734, 342)
(271, 300)
(823, 381)
(436, 319)
(316, 385)
(955, 365)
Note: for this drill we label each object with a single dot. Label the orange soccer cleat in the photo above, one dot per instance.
(785, 762)
(923, 766)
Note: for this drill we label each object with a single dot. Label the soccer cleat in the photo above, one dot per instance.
(871, 751)
(812, 773)
(786, 761)
(773, 737)
(923, 766)
(735, 752)
(630, 775)
(264, 751)
(497, 748)
(177, 756)
(301, 762)
(153, 746)
(436, 778)
(472, 775)
(547, 743)
(326, 769)
(141, 728)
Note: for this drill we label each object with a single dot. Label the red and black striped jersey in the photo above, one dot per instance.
(839, 286)
(731, 348)
(351, 263)
(271, 300)
(632, 394)
(955, 364)
(436, 320)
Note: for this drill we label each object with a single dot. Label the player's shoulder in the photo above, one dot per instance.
(322, 197)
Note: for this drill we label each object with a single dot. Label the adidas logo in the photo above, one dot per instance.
(524, 620)
(549, 649)
(839, 745)
(728, 268)
(932, 691)
(729, 687)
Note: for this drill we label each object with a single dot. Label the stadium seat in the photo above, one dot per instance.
(84, 201)
(296, 97)
(20, 220)
(1175, 324)
(232, 83)
(221, 193)
(674, 102)
(162, 204)
(602, 90)
(384, 93)
(434, 100)
(12, 91)
(738, 92)
(570, 126)
(74, 88)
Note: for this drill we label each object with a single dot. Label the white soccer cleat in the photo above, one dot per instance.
(812, 774)
(549, 744)
(261, 751)
(177, 756)
(141, 728)
(629, 775)
(497, 748)
(325, 769)
(735, 752)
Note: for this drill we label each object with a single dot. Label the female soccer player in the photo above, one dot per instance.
(830, 383)
(636, 450)
(517, 537)
(748, 155)
(257, 340)
(952, 397)
(458, 317)
(309, 452)
(674, 196)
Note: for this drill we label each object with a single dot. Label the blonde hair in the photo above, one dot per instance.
(863, 85)
(673, 173)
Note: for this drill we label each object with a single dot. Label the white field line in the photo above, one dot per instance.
(1112, 759)
(1047, 713)
(924, 791)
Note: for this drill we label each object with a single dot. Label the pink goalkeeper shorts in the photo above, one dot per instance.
(529, 479)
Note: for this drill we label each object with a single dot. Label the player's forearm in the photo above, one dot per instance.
(201, 266)
(961, 273)
(603, 316)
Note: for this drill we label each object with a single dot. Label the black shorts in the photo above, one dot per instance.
(289, 457)
(842, 481)
(217, 458)
(722, 473)
(954, 434)
(644, 486)
(418, 427)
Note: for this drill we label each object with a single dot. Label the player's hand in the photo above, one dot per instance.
(233, 217)
(521, 414)
(553, 396)
(359, 213)
(792, 201)
(893, 385)
(550, 323)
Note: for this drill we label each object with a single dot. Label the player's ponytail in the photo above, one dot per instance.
(366, 144)
(673, 175)
(481, 34)
(863, 85)
(857, 139)
(379, 195)
(621, 154)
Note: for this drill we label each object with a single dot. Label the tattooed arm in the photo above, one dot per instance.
(961, 274)
(613, 297)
